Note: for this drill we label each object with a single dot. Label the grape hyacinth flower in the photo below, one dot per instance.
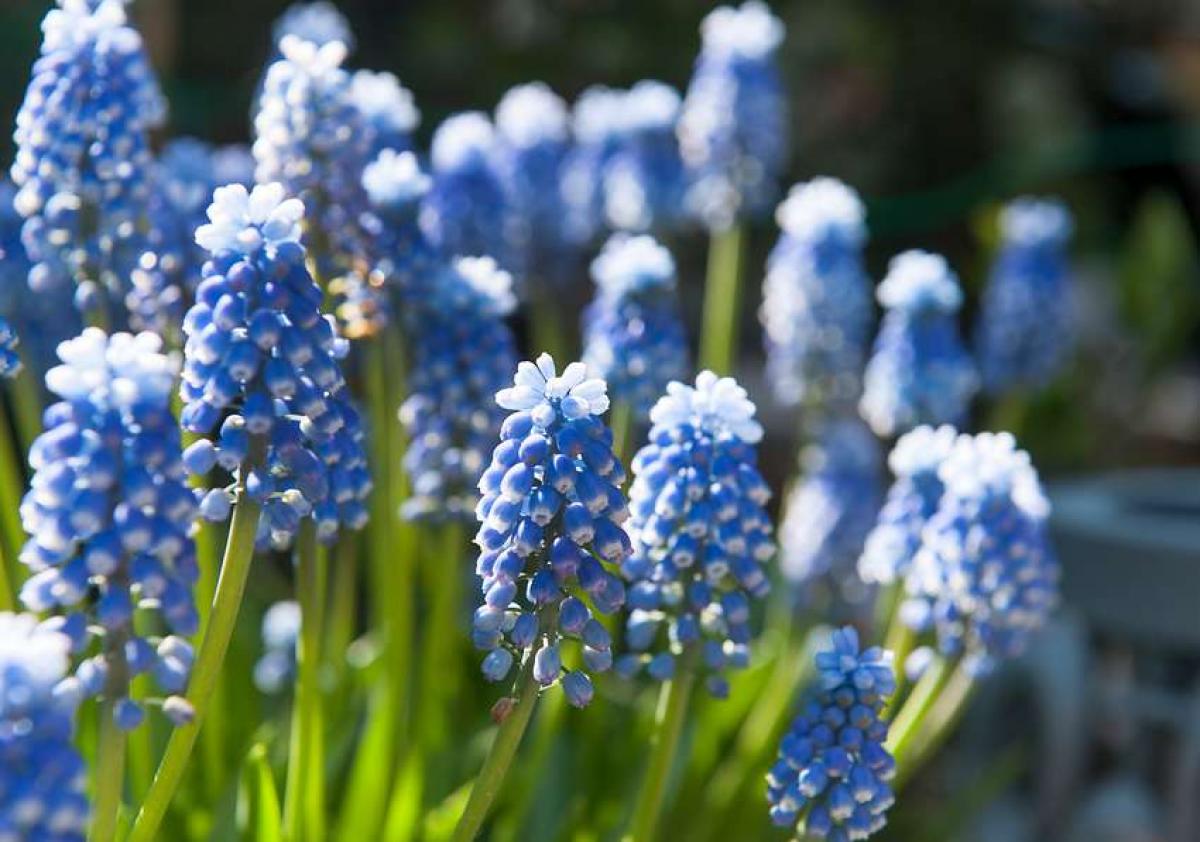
(1024, 330)
(462, 354)
(644, 178)
(466, 210)
(733, 126)
(919, 372)
(43, 791)
(533, 139)
(817, 309)
(985, 577)
(633, 331)
(280, 631)
(261, 366)
(403, 258)
(83, 162)
(387, 107)
(109, 516)
(10, 360)
(319, 23)
(550, 525)
(913, 498)
(831, 778)
(700, 532)
(597, 126)
(833, 506)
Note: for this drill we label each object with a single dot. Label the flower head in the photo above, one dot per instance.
(643, 181)
(318, 23)
(109, 513)
(816, 311)
(633, 331)
(550, 514)
(833, 769)
(44, 794)
(243, 222)
(1025, 325)
(388, 107)
(598, 126)
(280, 631)
(919, 372)
(700, 532)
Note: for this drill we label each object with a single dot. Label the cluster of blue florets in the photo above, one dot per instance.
(83, 162)
(919, 373)
(261, 364)
(985, 578)
(833, 506)
(913, 498)
(831, 779)
(109, 515)
(700, 533)
(462, 354)
(733, 126)
(465, 210)
(633, 331)
(1025, 319)
(10, 360)
(401, 256)
(276, 668)
(550, 521)
(388, 108)
(43, 788)
(817, 310)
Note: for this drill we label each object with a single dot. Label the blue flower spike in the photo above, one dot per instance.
(644, 181)
(550, 531)
(817, 310)
(634, 336)
(110, 516)
(701, 534)
(830, 781)
(919, 372)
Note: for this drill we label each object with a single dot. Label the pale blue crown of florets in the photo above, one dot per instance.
(400, 252)
(700, 532)
(597, 126)
(919, 372)
(913, 498)
(551, 514)
(318, 23)
(985, 578)
(633, 331)
(388, 107)
(644, 180)
(1025, 325)
(733, 126)
(833, 770)
(109, 515)
(394, 181)
(816, 311)
(466, 210)
(82, 165)
(276, 668)
(261, 362)
(462, 354)
(833, 506)
(44, 795)
(533, 135)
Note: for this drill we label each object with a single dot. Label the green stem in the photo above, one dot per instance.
(110, 776)
(504, 748)
(718, 342)
(547, 326)
(621, 422)
(27, 408)
(235, 568)
(444, 568)
(942, 719)
(668, 727)
(911, 716)
(304, 801)
(12, 483)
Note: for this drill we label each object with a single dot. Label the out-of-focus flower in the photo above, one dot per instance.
(318, 23)
(44, 791)
(533, 140)
(261, 364)
(1025, 321)
(817, 311)
(700, 533)
(597, 125)
(644, 179)
(985, 577)
(733, 127)
(550, 521)
(109, 514)
(919, 372)
(633, 331)
(389, 109)
(466, 210)
(83, 162)
(280, 631)
(833, 506)
(833, 769)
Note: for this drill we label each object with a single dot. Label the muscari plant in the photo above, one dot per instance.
(596, 588)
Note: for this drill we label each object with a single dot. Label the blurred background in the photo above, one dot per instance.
(937, 112)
